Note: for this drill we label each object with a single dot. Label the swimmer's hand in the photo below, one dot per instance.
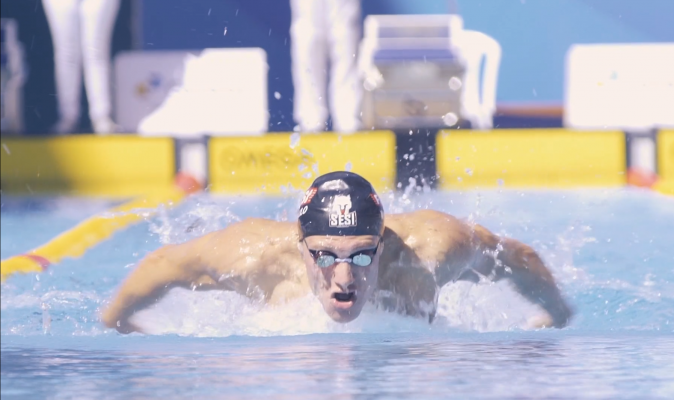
(539, 322)
(123, 325)
(545, 320)
(562, 313)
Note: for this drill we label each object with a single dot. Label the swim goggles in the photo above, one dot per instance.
(325, 259)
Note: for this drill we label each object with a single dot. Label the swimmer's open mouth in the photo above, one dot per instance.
(344, 297)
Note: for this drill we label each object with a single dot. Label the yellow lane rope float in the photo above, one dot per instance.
(76, 241)
(665, 187)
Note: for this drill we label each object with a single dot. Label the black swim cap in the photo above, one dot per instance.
(341, 204)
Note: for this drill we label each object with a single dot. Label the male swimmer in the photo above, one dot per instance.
(344, 250)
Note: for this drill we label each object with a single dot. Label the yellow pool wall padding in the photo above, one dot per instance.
(77, 240)
(90, 165)
(550, 158)
(128, 166)
(269, 164)
(665, 156)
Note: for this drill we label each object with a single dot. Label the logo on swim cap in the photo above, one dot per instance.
(341, 204)
(341, 212)
(309, 195)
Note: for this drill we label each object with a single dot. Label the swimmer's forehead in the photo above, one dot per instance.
(330, 242)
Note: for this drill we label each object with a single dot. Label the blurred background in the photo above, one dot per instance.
(534, 36)
(194, 70)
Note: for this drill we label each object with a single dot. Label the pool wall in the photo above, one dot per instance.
(129, 165)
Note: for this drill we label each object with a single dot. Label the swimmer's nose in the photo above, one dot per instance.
(343, 277)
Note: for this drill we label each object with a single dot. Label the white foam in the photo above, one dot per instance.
(462, 306)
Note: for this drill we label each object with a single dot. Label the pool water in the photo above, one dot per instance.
(610, 250)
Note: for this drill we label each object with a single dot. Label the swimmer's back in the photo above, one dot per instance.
(431, 225)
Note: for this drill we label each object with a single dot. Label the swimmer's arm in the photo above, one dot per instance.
(526, 270)
(168, 267)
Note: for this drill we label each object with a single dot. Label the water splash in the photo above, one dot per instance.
(199, 218)
(294, 140)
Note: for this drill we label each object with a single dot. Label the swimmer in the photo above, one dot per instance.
(347, 253)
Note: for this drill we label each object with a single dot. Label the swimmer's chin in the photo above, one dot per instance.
(344, 316)
(343, 319)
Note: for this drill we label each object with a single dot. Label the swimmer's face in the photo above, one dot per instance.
(343, 287)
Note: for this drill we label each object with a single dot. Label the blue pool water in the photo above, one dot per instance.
(610, 250)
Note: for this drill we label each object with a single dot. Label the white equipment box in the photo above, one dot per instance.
(192, 93)
(620, 86)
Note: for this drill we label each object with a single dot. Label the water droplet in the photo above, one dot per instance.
(469, 171)
(277, 95)
(500, 182)
(455, 83)
(450, 119)
(348, 166)
(225, 34)
(369, 84)
(294, 140)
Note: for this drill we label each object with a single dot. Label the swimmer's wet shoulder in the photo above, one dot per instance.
(431, 236)
(253, 256)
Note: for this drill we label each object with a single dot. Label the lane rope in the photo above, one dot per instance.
(76, 241)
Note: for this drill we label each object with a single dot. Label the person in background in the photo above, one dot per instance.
(12, 77)
(81, 34)
(322, 30)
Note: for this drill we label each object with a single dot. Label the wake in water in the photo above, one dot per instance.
(616, 271)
